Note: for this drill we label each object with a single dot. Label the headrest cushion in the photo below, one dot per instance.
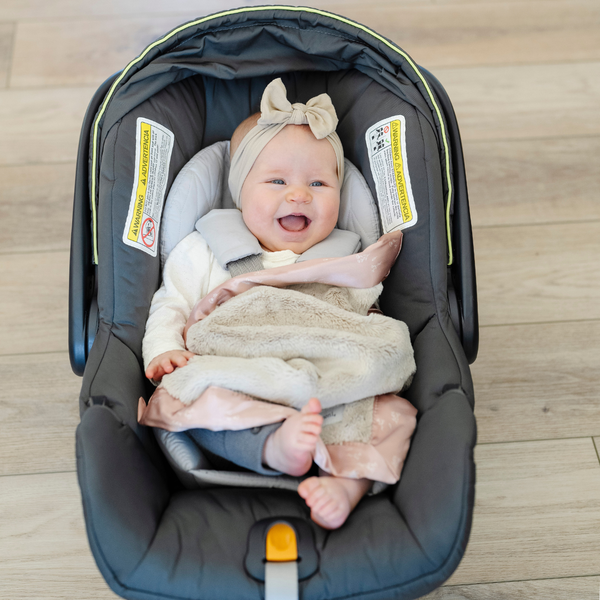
(201, 186)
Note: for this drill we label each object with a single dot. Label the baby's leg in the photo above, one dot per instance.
(332, 499)
(228, 449)
(291, 448)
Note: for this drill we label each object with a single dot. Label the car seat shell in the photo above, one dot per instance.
(150, 537)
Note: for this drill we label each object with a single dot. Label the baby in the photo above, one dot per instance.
(286, 174)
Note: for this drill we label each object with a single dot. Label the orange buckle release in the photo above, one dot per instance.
(281, 543)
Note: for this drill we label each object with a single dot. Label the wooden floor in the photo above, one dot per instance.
(524, 78)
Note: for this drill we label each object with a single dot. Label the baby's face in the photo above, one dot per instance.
(291, 196)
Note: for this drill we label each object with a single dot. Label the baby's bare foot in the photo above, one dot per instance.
(332, 499)
(290, 449)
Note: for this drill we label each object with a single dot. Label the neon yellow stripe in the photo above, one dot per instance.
(256, 9)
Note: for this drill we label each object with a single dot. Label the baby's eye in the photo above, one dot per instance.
(316, 183)
(278, 181)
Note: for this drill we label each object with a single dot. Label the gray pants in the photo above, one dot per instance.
(227, 449)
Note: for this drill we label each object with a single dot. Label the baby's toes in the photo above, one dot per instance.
(323, 505)
(318, 499)
(312, 419)
(308, 487)
(313, 406)
(327, 510)
(306, 442)
(311, 429)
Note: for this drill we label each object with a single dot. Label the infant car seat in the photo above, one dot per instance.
(151, 537)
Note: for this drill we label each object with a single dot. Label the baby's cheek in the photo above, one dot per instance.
(256, 220)
(333, 213)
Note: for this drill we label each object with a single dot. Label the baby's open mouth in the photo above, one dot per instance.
(294, 222)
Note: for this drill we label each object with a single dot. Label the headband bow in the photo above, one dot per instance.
(277, 112)
(318, 113)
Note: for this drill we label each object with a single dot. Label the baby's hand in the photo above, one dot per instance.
(167, 362)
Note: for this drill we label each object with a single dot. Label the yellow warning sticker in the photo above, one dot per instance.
(154, 145)
(386, 144)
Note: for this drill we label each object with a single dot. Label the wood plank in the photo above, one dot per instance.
(61, 9)
(537, 513)
(527, 101)
(44, 551)
(537, 381)
(41, 126)
(526, 181)
(538, 273)
(36, 204)
(7, 31)
(85, 52)
(40, 411)
(33, 302)
(582, 588)
(488, 33)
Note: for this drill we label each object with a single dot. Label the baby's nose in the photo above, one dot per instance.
(299, 194)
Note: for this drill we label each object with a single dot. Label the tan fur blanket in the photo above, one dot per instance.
(288, 345)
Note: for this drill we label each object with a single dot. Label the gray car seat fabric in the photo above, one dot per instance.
(153, 539)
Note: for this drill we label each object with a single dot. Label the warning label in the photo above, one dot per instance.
(154, 144)
(386, 144)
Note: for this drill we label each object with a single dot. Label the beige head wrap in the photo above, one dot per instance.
(277, 112)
